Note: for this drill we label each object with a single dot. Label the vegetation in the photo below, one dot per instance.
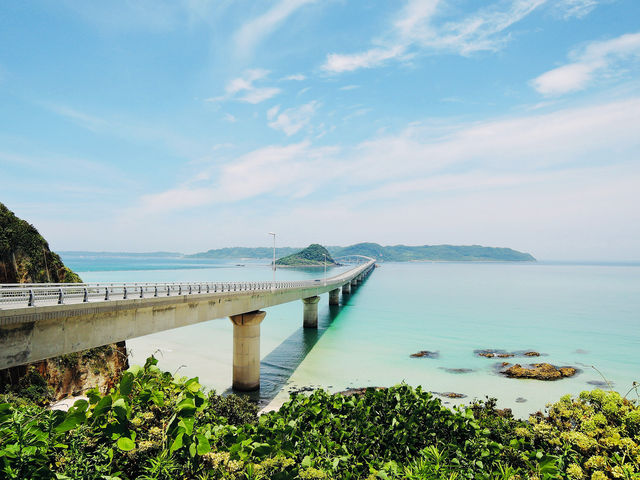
(395, 253)
(25, 256)
(313, 255)
(153, 425)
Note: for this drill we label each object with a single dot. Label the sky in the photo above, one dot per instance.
(185, 125)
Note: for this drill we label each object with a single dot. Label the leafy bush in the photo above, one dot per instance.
(157, 426)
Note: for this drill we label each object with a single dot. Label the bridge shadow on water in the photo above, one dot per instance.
(278, 366)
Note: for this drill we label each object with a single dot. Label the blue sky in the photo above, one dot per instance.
(185, 125)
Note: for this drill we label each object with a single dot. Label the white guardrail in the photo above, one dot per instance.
(34, 294)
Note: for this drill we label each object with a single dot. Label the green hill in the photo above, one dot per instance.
(392, 253)
(313, 255)
(25, 256)
(444, 253)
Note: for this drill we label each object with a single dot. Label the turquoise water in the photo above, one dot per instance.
(578, 315)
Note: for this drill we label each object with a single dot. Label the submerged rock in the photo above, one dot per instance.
(425, 354)
(521, 400)
(600, 383)
(490, 353)
(359, 391)
(450, 394)
(458, 370)
(539, 371)
(531, 354)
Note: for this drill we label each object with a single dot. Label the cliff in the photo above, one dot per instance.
(312, 256)
(25, 257)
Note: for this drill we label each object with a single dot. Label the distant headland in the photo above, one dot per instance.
(391, 253)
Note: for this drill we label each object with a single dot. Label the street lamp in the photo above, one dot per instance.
(274, 258)
(325, 269)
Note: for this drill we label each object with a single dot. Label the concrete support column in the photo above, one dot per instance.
(310, 315)
(334, 297)
(354, 282)
(346, 289)
(246, 350)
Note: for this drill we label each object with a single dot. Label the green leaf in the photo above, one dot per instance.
(71, 422)
(126, 444)
(81, 405)
(187, 424)
(177, 443)
(135, 370)
(192, 385)
(306, 462)
(203, 445)
(103, 406)
(126, 383)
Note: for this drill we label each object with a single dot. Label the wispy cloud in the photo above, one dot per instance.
(244, 90)
(230, 118)
(596, 60)
(575, 8)
(292, 120)
(256, 29)
(416, 30)
(349, 87)
(298, 77)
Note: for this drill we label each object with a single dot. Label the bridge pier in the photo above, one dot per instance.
(310, 314)
(354, 282)
(334, 297)
(346, 288)
(246, 350)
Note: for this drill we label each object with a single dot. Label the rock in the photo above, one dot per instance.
(451, 394)
(531, 354)
(425, 354)
(458, 370)
(539, 371)
(520, 400)
(505, 364)
(359, 391)
(489, 353)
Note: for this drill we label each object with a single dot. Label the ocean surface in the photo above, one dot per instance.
(573, 314)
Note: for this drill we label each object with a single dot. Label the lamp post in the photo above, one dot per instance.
(274, 260)
(325, 269)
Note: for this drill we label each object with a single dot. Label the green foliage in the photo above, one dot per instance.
(157, 426)
(25, 255)
(450, 253)
(313, 255)
(393, 253)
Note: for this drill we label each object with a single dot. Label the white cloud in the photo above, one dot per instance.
(272, 112)
(230, 118)
(292, 120)
(298, 77)
(244, 90)
(349, 87)
(597, 59)
(255, 30)
(338, 63)
(575, 8)
(415, 29)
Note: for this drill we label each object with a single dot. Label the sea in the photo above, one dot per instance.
(584, 315)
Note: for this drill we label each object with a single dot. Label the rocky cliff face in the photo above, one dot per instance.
(25, 257)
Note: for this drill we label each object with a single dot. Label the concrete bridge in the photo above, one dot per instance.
(39, 321)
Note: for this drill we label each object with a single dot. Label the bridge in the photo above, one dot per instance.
(40, 321)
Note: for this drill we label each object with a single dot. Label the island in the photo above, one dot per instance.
(391, 253)
(314, 255)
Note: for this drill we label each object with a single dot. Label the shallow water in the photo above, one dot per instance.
(579, 315)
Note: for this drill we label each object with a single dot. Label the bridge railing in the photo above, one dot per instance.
(13, 296)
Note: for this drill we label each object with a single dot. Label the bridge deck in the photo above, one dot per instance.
(38, 322)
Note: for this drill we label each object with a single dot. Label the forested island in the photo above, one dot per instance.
(314, 255)
(392, 253)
